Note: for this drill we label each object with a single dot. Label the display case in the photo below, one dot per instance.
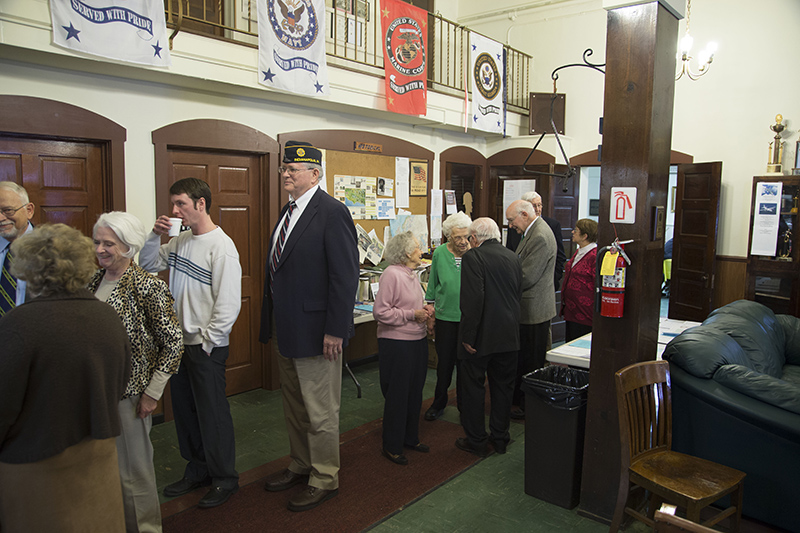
(772, 272)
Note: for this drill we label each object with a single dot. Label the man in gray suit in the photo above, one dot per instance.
(537, 251)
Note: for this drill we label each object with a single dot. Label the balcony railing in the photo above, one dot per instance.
(354, 41)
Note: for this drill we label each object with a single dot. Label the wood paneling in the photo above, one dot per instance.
(731, 278)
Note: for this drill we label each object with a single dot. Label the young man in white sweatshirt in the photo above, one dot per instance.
(205, 279)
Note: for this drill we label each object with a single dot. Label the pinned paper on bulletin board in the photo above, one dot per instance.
(609, 264)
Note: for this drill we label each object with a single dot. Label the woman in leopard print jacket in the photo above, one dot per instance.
(146, 308)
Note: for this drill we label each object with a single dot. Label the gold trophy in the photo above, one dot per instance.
(776, 147)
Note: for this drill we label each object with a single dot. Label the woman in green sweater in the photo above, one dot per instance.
(444, 288)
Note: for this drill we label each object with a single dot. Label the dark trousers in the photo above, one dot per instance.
(403, 366)
(447, 351)
(575, 330)
(203, 417)
(500, 369)
(532, 352)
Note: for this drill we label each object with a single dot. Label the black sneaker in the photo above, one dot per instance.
(184, 486)
(216, 496)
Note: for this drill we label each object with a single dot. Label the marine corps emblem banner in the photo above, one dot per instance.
(126, 30)
(291, 46)
(487, 74)
(405, 37)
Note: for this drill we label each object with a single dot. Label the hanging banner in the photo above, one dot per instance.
(291, 46)
(405, 37)
(127, 30)
(486, 74)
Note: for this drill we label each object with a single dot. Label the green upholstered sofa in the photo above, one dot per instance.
(736, 401)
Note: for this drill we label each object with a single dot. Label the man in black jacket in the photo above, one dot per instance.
(491, 287)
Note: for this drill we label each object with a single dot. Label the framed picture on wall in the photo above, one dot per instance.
(344, 5)
(419, 178)
(361, 9)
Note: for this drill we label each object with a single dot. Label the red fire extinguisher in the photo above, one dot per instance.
(612, 288)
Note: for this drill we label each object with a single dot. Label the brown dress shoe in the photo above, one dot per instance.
(310, 498)
(284, 480)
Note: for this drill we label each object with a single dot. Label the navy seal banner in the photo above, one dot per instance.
(486, 74)
(291, 46)
(405, 37)
(127, 30)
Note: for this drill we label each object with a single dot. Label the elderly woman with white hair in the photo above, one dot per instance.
(402, 346)
(146, 308)
(444, 288)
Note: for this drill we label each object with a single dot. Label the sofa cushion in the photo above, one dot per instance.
(791, 373)
(701, 350)
(760, 386)
(791, 330)
(762, 340)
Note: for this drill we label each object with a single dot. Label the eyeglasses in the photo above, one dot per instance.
(9, 212)
(291, 171)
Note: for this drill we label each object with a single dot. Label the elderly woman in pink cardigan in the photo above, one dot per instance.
(402, 314)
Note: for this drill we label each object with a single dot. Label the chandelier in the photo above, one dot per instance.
(704, 58)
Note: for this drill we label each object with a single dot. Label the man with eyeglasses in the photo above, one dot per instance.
(16, 211)
(311, 281)
(537, 251)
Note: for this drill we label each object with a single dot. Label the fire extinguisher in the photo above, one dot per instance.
(611, 289)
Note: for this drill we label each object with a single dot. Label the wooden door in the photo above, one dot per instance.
(64, 179)
(235, 181)
(464, 180)
(694, 244)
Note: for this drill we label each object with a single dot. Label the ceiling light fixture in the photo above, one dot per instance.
(704, 58)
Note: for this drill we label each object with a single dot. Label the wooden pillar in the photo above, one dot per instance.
(637, 131)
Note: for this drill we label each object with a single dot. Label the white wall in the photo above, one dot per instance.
(724, 116)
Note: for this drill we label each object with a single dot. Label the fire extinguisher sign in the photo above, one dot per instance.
(623, 205)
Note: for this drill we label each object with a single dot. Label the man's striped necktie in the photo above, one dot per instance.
(276, 254)
(8, 286)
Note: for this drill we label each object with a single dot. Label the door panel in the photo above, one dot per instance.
(64, 179)
(694, 246)
(234, 179)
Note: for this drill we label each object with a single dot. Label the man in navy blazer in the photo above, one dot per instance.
(310, 289)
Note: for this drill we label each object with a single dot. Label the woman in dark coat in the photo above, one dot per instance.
(64, 365)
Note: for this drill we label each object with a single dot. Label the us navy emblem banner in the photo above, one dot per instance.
(405, 37)
(127, 30)
(291, 46)
(487, 74)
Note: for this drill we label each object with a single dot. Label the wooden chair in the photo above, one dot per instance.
(644, 404)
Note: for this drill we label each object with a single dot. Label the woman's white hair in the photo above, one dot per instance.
(400, 247)
(129, 230)
(457, 221)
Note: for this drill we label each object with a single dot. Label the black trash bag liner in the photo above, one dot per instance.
(558, 386)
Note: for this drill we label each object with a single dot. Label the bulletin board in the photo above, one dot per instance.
(370, 165)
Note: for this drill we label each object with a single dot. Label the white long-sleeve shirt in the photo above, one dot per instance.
(205, 278)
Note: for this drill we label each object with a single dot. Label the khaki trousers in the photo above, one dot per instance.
(312, 390)
(136, 471)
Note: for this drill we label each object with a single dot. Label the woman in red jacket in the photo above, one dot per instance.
(578, 290)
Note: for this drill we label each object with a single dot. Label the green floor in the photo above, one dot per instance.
(487, 497)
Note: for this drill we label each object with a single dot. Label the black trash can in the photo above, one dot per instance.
(555, 424)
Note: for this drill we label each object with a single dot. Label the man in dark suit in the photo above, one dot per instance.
(312, 275)
(513, 238)
(491, 286)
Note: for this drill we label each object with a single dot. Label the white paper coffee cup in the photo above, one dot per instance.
(175, 230)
